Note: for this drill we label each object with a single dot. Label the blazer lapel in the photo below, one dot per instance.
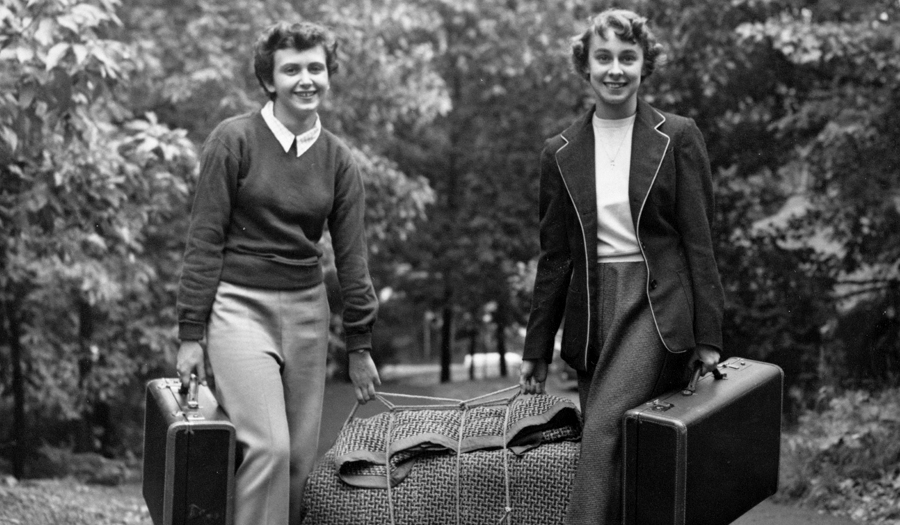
(576, 165)
(648, 147)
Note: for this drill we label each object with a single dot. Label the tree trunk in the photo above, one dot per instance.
(427, 327)
(85, 333)
(13, 334)
(446, 343)
(500, 319)
(84, 429)
(473, 347)
(447, 335)
(452, 175)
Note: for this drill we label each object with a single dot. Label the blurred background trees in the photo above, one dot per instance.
(446, 103)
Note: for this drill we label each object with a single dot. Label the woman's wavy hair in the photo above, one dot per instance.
(300, 36)
(629, 27)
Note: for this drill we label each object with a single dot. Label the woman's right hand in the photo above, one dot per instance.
(190, 361)
(364, 375)
(532, 375)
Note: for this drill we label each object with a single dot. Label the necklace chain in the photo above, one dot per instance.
(612, 159)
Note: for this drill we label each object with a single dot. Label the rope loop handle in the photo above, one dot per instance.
(449, 403)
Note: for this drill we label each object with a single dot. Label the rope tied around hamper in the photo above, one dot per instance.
(456, 405)
(508, 514)
(387, 463)
(459, 440)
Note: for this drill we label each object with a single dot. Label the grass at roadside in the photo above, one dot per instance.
(68, 501)
(845, 457)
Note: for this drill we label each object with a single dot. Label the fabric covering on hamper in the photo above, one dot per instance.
(517, 460)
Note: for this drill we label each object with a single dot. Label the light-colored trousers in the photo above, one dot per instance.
(268, 351)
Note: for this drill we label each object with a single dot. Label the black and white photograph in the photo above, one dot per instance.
(449, 262)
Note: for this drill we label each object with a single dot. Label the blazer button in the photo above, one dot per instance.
(653, 284)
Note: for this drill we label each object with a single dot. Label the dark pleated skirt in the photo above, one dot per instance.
(632, 367)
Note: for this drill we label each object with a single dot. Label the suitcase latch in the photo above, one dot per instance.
(735, 364)
(190, 416)
(660, 406)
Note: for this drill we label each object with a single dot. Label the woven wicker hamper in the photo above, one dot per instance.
(517, 463)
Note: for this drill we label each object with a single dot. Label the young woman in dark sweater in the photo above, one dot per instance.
(252, 281)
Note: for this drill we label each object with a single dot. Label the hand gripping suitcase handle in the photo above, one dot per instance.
(692, 385)
(191, 392)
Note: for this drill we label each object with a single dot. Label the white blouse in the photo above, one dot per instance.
(612, 161)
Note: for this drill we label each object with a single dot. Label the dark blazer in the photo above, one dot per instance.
(670, 188)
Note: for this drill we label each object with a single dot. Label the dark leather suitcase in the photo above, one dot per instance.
(189, 456)
(706, 457)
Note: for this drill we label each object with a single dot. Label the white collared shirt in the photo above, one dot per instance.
(284, 136)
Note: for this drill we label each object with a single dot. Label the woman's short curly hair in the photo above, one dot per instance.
(300, 36)
(629, 27)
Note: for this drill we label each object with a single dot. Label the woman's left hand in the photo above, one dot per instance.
(364, 375)
(708, 356)
(532, 376)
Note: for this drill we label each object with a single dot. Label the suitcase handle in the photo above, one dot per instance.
(698, 368)
(191, 392)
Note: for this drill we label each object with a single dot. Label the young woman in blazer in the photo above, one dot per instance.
(252, 280)
(626, 262)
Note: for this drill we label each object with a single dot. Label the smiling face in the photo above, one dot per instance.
(299, 83)
(614, 69)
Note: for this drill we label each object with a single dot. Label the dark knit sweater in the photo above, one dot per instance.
(258, 215)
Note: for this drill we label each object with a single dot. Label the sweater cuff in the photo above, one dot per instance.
(360, 341)
(190, 331)
(714, 345)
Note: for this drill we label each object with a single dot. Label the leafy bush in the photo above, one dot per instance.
(845, 456)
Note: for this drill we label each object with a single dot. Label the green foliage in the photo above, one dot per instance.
(844, 457)
(506, 75)
(86, 190)
(195, 58)
(842, 130)
(837, 163)
(387, 81)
